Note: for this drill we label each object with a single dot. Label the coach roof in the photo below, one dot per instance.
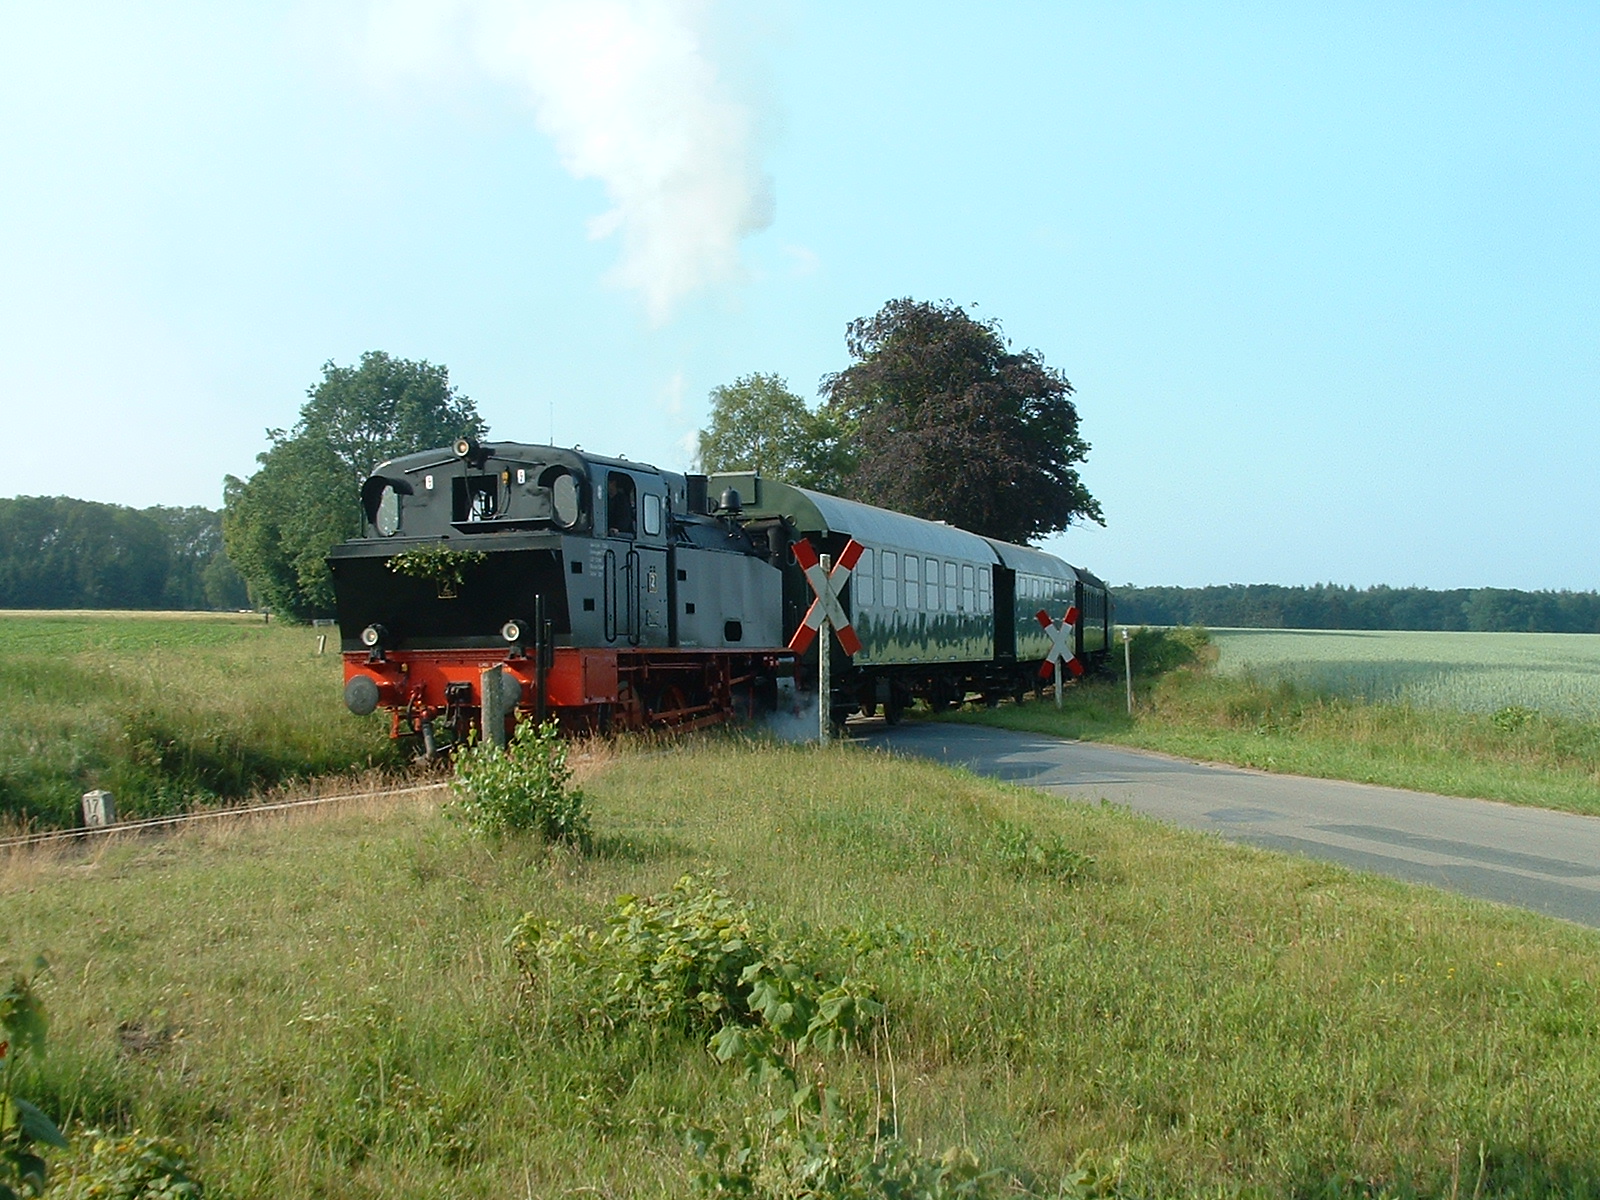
(818, 512)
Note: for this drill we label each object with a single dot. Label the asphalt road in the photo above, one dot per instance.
(1545, 861)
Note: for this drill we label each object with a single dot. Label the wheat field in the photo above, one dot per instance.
(1553, 673)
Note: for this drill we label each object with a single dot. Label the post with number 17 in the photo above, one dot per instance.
(826, 613)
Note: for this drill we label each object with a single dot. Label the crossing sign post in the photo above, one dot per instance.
(1061, 658)
(826, 614)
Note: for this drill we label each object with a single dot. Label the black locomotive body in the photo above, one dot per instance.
(610, 593)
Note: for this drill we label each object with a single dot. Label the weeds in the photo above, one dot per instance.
(527, 788)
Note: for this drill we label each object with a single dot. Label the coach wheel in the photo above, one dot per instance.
(894, 707)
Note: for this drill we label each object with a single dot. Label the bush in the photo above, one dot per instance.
(1159, 651)
(525, 789)
(696, 960)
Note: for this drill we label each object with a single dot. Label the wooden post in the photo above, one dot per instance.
(492, 705)
(824, 668)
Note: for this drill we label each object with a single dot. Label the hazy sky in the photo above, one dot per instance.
(1325, 277)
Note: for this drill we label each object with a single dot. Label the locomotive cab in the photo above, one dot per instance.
(578, 576)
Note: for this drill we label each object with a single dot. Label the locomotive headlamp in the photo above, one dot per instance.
(467, 447)
(374, 636)
(515, 631)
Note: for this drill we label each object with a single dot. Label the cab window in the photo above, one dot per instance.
(652, 515)
(620, 495)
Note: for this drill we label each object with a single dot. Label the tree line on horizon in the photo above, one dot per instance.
(1331, 606)
(58, 552)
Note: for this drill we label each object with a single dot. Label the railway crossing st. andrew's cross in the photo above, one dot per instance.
(1061, 658)
(826, 611)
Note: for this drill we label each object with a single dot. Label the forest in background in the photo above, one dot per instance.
(1330, 606)
(57, 552)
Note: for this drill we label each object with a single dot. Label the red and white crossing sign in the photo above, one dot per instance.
(1060, 634)
(827, 585)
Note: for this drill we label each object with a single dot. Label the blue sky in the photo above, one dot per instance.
(1326, 280)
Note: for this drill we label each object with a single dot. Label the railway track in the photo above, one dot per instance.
(47, 837)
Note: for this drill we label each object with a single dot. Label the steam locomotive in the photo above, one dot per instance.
(528, 581)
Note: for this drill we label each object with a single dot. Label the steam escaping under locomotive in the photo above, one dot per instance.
(611, 594)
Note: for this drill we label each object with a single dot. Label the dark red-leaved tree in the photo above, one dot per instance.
(949, 424)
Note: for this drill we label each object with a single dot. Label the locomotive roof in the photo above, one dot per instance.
(513, 451)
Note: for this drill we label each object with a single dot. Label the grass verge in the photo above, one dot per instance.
(167, 711)
(1516, 755)
(330, 1008)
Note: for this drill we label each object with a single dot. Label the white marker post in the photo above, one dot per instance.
(1061, 658)
(826, 614)
(1127, 666)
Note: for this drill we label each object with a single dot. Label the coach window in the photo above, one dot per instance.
(865, 582)
(913, 582)
(652, 515)
(969, 589)
(983, 590)
(891, 579)
(619, 504)
(952, 592)
(931, 592)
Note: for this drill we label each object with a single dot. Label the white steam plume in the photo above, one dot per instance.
(630, 93)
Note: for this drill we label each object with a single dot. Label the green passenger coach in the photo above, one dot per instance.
(941, 612)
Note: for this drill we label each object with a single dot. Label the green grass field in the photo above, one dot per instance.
(1553, 673)
(327, 1007)
(167, 711)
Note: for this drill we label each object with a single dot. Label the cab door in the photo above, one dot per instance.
(635, 565)
(651, 564)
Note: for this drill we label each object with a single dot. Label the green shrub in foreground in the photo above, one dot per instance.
(23, 1171)
(130, 1167)
(525, 789)
(695, 960)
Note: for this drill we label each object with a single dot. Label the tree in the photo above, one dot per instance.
(279, 525)
(200, 575)
(384, 407)
(57, 552)
(758, 424)
(948, 424)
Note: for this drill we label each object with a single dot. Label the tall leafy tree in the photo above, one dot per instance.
(946, 422)
(384, 407)
(758, 424)
(279, 524)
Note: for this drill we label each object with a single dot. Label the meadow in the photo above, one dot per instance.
(167, 711)
(1080, 999)
(1557, 674)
